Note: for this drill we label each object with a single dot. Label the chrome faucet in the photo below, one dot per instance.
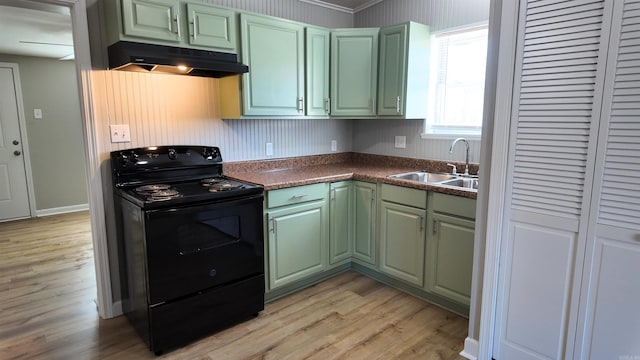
(466, 161)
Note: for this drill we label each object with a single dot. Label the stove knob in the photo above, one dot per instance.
(124, 159)
(173, 154)
(207, 153)
(133, 158)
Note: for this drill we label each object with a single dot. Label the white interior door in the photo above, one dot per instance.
(14, 195)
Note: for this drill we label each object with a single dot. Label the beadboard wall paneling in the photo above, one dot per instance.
(172, 110)
(378, 137)
(439, 14)
(293, 10)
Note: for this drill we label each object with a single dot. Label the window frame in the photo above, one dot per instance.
(451, 132)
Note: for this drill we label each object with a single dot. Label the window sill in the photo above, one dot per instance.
(449, 136)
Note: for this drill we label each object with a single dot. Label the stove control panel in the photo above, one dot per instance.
(165, 157)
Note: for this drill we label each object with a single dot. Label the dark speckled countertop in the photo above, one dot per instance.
(283, 173)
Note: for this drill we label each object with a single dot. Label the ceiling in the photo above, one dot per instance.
(35, 29)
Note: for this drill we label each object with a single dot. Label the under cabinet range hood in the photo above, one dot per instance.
(140, 57)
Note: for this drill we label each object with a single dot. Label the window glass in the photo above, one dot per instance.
(456, 87)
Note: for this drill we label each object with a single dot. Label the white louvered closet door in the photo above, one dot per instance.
(558, 84)
(612, 309)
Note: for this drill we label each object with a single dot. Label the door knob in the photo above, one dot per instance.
(17, 153)
(16, 142)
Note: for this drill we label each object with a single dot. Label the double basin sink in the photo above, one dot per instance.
(434, 178)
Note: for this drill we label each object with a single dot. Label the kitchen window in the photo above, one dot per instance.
(456, 82)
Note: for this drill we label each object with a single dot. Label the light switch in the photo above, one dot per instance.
(37, 113)
(401, 142)
(120, 133)
(334, 145)
(269, 149)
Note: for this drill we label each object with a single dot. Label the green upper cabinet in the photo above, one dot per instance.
(354, 72)
(317, 71)
(154, 19)
(403, 79)
(340, 224)
(187, 24)
(274, 51)
(211, 27)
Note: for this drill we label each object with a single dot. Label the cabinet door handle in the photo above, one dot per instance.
(435, 227)
(333, 195)
(274, 229)
(177, 21)
(300, 104)
(373, 106)
(195, 25)
(299, 196)
(327, 105)
(421, 223)
(373, 198)
(398, 104)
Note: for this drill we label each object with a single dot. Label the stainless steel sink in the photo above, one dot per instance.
(424, 176)
(463, 182)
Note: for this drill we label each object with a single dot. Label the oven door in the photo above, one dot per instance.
(194, 248)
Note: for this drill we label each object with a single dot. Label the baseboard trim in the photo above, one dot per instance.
(62, 210)
(470, 350)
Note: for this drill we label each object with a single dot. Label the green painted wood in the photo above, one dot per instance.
(340, 222)
(211, 26)
(393, 70)
(354, 71)
(155, 19)
(317, 71)
(453, 205)
(364, 219)
(403, 195)
(402, 242)
(450, 257)
(274, 51)
(404, 71)
(297, 239)
(296, 195)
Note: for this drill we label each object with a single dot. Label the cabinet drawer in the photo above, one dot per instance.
(455, 205)
(296, 195)
(406, 196)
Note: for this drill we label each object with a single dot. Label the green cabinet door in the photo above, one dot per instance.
(154, 19)
(450, 257)
(340, 223)
(297, 239)
(211, 26)
(354, 71)
(364, 223)
(402, 242)
(403, 79)
(317, 71)
(274, 51)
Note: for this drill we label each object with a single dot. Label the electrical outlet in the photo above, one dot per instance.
(120, 133)
(401, 142)
(269, 149)
(334, 145)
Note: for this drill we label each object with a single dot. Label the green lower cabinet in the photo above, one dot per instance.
(340, 224)
(402, 242)
(450, 257)
(297, 242)
(364, 223)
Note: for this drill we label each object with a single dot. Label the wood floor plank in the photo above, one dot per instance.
(47, 289)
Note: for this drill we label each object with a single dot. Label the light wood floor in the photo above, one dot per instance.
(47, 287)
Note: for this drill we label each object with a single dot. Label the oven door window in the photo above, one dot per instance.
(208, 234)
(194, 248)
